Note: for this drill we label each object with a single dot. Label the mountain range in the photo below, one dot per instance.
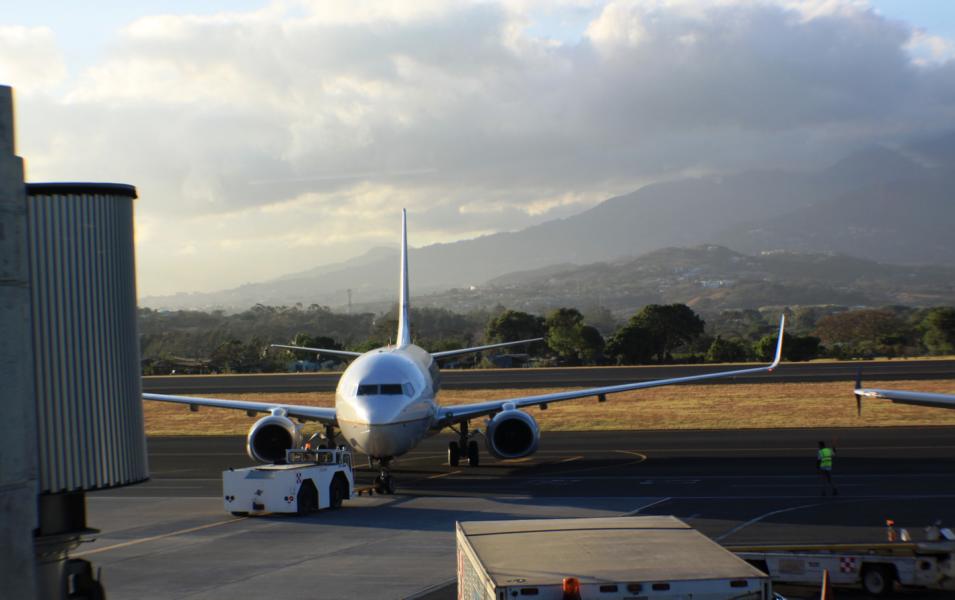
(887, 206)
(708, 278)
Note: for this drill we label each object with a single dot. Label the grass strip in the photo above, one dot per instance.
(731, 406)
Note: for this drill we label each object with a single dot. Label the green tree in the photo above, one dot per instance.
(938, 329)
(631, 344)
(765, 347)
(722, 350)
(564, 327)
(235, 356)
(592, 345)
(514, 325)
(801, 347)
(669, 326)
(865, 332)
(318, 341)
(795, 348)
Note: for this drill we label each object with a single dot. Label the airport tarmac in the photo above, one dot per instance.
(171, 538)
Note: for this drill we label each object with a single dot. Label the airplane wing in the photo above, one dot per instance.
(305, 413)
(338, 353)
(907, 397)
(448, 415)
(459, 351)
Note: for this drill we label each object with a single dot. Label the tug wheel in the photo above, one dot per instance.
(878, 580)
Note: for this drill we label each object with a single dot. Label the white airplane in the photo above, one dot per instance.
(385, 403)
(902, 396)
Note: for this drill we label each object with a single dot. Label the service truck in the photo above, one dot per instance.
(307, 481)
(651, 558)
(874, 567)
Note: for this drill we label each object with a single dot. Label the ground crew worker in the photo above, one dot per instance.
(824, 465)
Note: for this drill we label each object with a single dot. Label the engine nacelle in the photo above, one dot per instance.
(512, 434)
(270, 437)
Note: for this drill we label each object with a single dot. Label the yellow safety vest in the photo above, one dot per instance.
(825, 458)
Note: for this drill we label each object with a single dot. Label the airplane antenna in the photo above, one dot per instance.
(404, 323)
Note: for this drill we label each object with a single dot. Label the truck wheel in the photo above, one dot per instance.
(307, 498)
(878, 579)
(474, 454)
(454, 454)
(336, 493)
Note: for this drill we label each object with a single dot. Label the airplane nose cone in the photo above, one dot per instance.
(380, 440)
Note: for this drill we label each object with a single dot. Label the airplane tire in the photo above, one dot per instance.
(474, 454)
(390, 485)
(454, 454)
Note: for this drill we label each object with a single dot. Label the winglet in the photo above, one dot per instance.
(404, 323)
(779, 343)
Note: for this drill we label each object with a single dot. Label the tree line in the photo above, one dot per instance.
(196, 341)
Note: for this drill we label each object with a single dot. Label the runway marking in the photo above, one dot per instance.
(841, 448)
(639, 455)
(841, 500)
(646, 506)
(439, 475)
(755, 520)
(570, 459)
(160, 536)
(813, 477)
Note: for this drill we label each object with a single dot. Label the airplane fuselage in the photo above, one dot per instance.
(385, 400)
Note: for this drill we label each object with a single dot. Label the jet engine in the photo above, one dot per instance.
(512, 434)
(271, 436)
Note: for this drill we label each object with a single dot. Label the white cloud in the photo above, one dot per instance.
(30, 59)
(930, 50)
(307, 125)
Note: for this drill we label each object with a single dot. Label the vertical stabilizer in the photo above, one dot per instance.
(404, 323)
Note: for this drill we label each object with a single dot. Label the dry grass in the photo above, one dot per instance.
(732, 406)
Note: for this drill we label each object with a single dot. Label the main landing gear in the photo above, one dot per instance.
(464, 448)
(322, 440)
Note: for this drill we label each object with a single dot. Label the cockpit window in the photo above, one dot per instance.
(367, 389)
(391, 389)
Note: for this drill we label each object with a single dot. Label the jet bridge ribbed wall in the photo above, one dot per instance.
(89, 407)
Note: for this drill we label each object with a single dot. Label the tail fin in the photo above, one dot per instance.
(404, 323)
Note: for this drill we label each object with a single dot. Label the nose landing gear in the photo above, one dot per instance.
(385, 482)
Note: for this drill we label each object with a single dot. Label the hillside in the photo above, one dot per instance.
(709, 278)
(879, 204)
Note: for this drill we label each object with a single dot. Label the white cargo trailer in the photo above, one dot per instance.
(308, 481)
(614, 558)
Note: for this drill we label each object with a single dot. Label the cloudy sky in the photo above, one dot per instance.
(267, 137)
